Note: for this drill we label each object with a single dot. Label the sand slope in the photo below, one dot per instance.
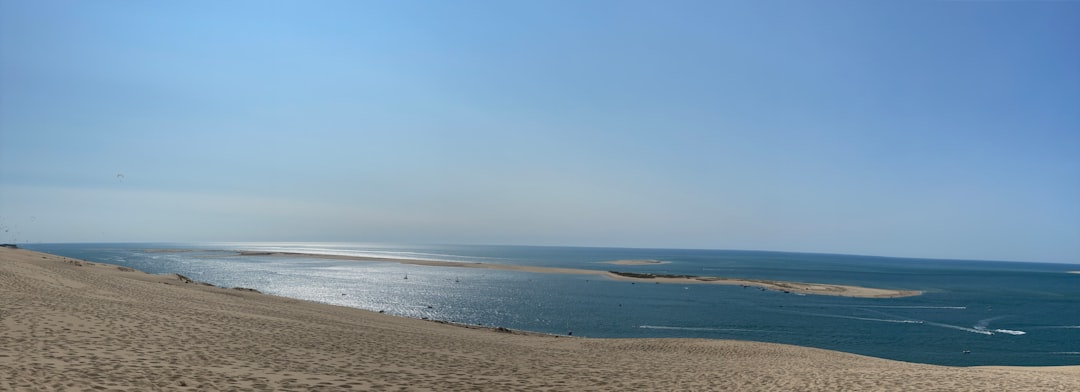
(72, 325)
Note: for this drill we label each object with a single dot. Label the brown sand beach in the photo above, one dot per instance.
(789, 287)
(67, 324)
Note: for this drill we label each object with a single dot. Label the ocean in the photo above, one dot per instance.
(972, 312)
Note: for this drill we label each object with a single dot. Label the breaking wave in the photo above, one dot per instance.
(1010, 331)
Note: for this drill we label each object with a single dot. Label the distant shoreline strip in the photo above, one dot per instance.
(636, 262)
(774, 285)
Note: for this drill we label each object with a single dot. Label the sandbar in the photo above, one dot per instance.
(67, 324)
(775, 285)
(635, 262)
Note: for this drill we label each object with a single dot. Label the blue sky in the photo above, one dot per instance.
(923, 129)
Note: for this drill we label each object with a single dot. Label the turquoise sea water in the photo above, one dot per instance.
(973, 312)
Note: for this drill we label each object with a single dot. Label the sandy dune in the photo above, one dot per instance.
(72, 325)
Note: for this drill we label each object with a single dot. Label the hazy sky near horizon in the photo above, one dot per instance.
(922, 129)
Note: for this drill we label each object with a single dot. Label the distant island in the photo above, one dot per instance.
(635, 262)
(775, 285)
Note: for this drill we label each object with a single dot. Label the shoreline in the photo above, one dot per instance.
(765, 284)
(70, 323)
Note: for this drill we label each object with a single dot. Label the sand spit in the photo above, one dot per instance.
(776, 285)
(635, 262)
(67, 324)
(788, 287)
